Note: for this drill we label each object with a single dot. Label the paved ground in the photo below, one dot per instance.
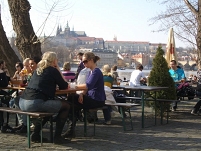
(182, 133)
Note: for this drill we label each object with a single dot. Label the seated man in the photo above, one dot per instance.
(177, 75)
(137, 76)
(4, 80)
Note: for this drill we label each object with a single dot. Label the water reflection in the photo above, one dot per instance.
(127, 73)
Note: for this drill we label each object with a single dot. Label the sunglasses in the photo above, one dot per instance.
(17, 66)
(85, 61)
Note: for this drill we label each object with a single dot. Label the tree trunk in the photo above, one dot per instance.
(198, 36)
(27, 42)
(7, 53)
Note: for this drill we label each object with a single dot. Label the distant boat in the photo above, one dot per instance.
(122, 68)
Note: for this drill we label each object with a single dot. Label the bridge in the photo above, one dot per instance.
(189, 62)
(192, 64)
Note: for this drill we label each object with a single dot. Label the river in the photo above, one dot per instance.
(127, 73)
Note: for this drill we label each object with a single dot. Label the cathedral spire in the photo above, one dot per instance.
(67, 25)
(57, 33)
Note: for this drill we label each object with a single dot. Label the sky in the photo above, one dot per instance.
(128, 20)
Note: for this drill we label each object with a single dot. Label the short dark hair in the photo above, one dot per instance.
(36, 59)
(174, 61)
(114, 68)
(80, 54)
(20, 64)
(139, 66)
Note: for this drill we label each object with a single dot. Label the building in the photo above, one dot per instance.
(106, 56)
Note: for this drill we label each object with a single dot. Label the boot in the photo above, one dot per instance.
(70, 133)
(58, 139)
(35, 136)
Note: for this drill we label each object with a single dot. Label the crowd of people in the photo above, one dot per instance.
(42, 76)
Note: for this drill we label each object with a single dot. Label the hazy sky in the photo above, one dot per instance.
(127, 19)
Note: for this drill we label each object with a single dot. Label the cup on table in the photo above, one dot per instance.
(72, 85)
(118, 82)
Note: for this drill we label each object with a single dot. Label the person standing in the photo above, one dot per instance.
(81, 65)
(177, 75)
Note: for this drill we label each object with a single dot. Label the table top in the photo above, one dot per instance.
(13, 88)
(144, 88)
(66, 91)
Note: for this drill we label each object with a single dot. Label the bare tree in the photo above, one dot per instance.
(7, 53)
(27, 42)
(185, 17)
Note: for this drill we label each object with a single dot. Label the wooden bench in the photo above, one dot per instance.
(124, 107)
(94, 120)
(167, 109)
(38, 115)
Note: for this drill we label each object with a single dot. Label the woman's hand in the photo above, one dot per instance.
(80, 99)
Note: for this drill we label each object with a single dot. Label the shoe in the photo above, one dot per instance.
(22, 130)
(61, 140)
(194, 112)
(173, 109)
(36, 138)
(32, 127)
(107, 123)
(18, 127)
(112, 114)
(68, 135)
(7, 129)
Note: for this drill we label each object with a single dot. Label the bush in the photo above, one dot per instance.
(159, 76)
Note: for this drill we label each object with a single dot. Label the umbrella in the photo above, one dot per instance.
(171, 51)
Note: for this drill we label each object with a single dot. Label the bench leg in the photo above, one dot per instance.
(94, 125)
(28, 131)
(51, 130)
(85, 123)
(131, 122)
(161, 106)
(41, 131)
(123, 118)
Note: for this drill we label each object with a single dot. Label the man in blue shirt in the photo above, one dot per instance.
(177, 75)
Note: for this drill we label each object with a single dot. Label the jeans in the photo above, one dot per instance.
(21, 117)
(107, 113)
(197, 106)
(39, 105)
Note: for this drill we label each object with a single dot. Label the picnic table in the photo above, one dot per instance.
(143, 90)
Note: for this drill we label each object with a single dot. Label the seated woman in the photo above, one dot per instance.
(68, 75)
(94, 96)
(19, 67)
(39, 95)
(108, 81)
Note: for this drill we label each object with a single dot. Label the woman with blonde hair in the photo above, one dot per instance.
(94, 96)
(39, 95)
(108, 81)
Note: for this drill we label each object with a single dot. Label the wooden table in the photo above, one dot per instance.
(143, 89)
(73, 92)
